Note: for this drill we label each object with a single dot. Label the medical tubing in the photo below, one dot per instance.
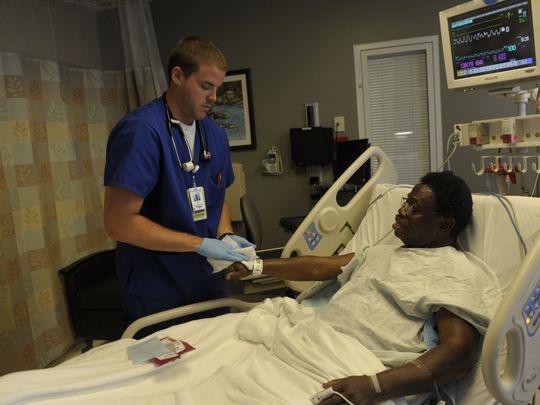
(384, 236)
(535, 185)
(511, 216)
(378, 198)
(339, 394)
(420, 363)
(343, 397)
(386, 191)
(456, 144)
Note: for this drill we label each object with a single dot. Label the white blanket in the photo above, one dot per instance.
(278, 353)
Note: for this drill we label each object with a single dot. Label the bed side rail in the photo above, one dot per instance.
(517, 319)
(328, 227)
(149, 320)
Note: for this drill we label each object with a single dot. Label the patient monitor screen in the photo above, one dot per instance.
(492, 39)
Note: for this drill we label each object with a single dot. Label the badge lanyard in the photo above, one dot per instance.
(195, 194)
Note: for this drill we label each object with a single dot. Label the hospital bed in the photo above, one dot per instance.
(282, 369)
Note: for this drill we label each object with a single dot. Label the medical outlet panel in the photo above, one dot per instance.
(521, 131)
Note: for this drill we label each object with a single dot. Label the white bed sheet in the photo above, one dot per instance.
(284, 356)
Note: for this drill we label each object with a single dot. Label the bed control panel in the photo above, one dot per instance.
(531, 311)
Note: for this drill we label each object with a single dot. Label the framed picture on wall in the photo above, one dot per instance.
(233, 110)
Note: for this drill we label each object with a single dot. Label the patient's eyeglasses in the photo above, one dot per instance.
(408, 208)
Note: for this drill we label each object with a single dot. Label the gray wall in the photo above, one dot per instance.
(302, 51)
(298, 51)
(49, 29)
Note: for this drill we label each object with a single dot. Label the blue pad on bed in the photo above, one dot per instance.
(321, 297)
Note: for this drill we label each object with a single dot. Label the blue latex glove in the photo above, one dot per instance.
(216, 249)
(241, 241)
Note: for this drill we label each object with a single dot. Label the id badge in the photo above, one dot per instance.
(197, 202)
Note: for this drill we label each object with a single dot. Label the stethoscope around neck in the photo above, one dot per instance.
(206, 155)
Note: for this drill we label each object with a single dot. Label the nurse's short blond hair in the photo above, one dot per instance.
(189, 53)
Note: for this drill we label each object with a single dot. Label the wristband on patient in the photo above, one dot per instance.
(375, 383)
(257, 267)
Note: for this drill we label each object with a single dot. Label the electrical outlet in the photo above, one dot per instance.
(339, 124)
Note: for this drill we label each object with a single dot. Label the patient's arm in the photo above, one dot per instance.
(299, 268)
(450, 360)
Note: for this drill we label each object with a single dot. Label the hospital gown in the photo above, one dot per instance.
(393, 291)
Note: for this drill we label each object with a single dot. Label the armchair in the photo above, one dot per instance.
(94, 297)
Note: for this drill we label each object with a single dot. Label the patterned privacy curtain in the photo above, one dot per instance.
(54, 124)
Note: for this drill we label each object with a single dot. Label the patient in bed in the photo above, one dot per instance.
(403, 321)
(421, 308)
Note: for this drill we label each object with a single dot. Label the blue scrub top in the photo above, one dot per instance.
(141, 158)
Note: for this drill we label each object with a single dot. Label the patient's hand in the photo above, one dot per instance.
(236, 271)
(357, 389)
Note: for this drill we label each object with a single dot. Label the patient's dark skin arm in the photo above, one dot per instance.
(450, 360)
(298, 268)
